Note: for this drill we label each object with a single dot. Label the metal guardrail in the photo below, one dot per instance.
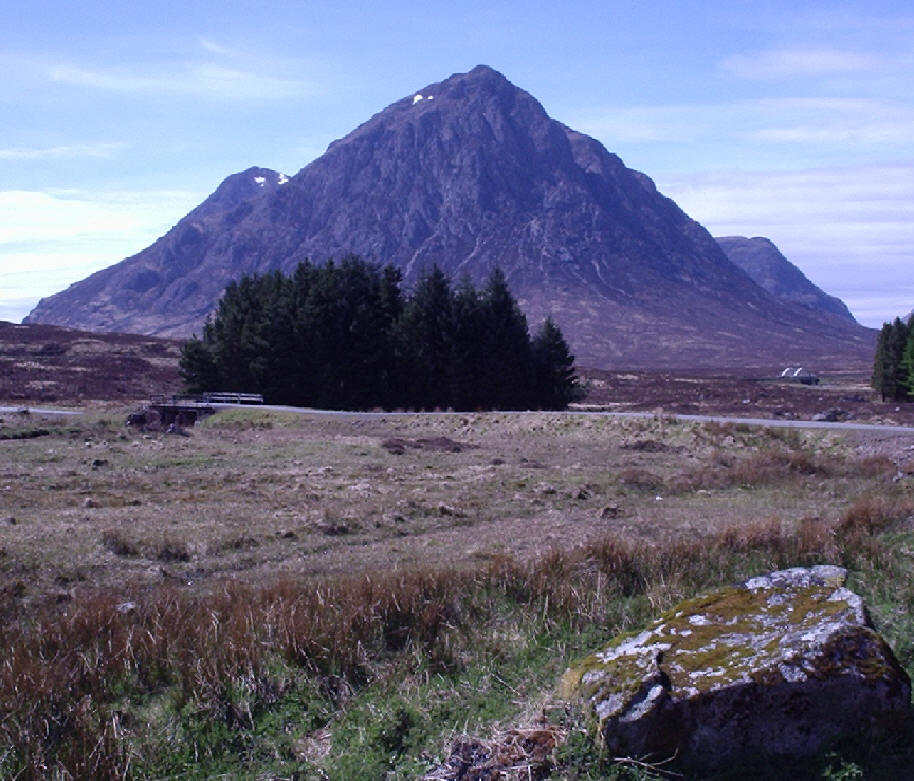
(174, 400)
(233, 398)
(207, 398)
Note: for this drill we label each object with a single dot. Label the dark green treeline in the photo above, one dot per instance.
(345, 336)
(893, 366)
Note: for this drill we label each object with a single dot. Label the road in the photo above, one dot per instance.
(770, 423)
(39, 411)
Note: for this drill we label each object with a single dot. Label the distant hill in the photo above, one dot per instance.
(470, 173)
(763, 261)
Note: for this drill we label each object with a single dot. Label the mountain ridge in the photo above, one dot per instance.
(764, 262)
(469, 173)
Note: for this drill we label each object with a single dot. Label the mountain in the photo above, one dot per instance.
(763, 261)
(470, 173)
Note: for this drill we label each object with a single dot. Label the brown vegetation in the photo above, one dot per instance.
(138, 564)
(47, 364)
(264, 494)
(742, 393)
(63, 668)
(143, 575)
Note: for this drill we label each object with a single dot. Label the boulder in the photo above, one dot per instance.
(833, 415)
(780, 667)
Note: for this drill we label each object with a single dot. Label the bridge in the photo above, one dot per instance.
(185, 410)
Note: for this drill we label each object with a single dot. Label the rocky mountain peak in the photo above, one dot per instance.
(471, 173)
(238, 188)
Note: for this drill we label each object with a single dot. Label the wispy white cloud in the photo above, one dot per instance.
(192, 79)
(33, 216)
(800, 63)
(30, 216)
(48, 272)
(99, 150)
(878, 196)
(833, 121)
(837, 22)
(50, 240)
(14, 308)
(215, 47)
(819, 125)
(38, 217)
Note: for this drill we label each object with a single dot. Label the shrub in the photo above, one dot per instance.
(115, 541)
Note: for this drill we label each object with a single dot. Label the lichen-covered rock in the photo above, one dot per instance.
(780, 666)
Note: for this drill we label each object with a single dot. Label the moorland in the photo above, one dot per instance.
(287, 595)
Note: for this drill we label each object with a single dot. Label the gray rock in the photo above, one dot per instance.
(779, 667)
(833, 415)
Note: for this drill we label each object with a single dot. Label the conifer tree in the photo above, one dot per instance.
(343, 320)
(364, 334)
(390, 303)
(880, 361)
(907, 361)
(303, 368)
(269, 367)
(898, 338)
(344, 336)
(198, 366)
(236, 336)
(507, 374)
(468, 347)
(890, 376)
(555, 384)
(423, 339)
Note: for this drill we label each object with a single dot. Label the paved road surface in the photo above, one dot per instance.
(771, 423)
(40, 410)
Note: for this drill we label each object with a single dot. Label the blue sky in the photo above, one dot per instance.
(791, 120)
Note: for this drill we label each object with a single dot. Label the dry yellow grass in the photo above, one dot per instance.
(251, 495)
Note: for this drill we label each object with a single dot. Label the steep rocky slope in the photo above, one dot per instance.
(763, 261)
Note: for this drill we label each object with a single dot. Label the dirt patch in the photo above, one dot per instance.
(516, 753)
(650, 446)
(398, 446)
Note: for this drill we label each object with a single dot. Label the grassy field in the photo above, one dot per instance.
(300, 596)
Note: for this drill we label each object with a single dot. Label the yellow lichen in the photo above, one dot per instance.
(734, 634)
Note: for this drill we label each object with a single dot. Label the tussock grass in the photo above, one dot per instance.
(764, 467)
(115, 541)
(66, 673)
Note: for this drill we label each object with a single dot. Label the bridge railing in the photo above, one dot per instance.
(208, 398)
(232, 398)
(174, 400)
